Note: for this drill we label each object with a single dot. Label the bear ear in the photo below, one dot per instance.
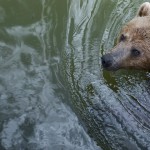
(144, 10)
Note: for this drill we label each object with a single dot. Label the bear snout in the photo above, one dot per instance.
(107, 61)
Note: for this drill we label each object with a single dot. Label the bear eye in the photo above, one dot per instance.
(135, 52)
(122, 38)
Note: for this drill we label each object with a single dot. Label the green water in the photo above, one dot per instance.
(54, 94)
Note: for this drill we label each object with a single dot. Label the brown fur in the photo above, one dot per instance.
(134, 35)
(144, 10)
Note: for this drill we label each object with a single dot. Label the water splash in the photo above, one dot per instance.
(32, 90)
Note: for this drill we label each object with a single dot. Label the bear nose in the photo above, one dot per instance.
(107, 60)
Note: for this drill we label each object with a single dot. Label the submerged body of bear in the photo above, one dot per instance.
(133, 48)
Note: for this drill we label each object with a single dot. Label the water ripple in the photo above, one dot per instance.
(113, 106)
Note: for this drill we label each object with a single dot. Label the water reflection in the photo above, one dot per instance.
(33, 114)
(49, 57)
(114, 107)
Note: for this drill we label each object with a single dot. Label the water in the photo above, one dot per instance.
(54, 94)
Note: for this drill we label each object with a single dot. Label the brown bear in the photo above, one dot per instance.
(133, 48)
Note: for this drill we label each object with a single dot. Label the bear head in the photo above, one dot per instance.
(133, 47)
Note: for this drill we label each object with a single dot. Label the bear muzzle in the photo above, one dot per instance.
(108, 62)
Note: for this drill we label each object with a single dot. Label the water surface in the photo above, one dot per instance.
(54, 94)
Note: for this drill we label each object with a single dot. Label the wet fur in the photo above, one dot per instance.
(134, 35)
